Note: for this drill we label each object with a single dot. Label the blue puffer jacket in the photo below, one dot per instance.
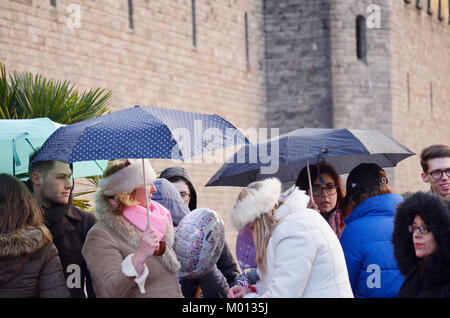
(366, 241)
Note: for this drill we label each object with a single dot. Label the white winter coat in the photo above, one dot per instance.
(304, 256)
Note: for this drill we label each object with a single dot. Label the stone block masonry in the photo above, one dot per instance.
(154, 63)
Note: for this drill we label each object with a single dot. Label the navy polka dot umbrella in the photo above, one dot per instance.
(141, 132)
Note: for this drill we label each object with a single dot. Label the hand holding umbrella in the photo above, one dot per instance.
(162, 244)
(148, 246)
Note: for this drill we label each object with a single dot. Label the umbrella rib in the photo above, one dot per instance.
(98, 165)
(389, 159)
(29, 142)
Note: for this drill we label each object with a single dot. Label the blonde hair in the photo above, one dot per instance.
(122, 199)
(263, 228)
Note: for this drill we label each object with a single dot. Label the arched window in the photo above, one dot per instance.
(361, 42)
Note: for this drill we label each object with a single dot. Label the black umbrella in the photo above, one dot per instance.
(284, 156)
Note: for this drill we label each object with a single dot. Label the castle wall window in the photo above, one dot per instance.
(194, 27)
(247, 57)
(361, 41)
(130, 14)
(418, 5)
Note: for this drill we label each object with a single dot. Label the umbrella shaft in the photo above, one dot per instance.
(309, 181)
(146, 194)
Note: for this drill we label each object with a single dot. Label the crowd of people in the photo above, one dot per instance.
(314, 239)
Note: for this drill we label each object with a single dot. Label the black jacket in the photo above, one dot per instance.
(69, 226)
(216, 283)
(227, 265)
(430, 278)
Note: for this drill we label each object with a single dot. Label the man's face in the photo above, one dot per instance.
(442, 185)
(56, 184)
(183, 188)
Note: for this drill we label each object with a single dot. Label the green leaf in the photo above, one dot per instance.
(33, 96)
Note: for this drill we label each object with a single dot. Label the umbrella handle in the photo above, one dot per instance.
(162, 248)
(146, 194)
(309, 181)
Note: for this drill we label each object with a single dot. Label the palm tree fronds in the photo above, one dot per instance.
(29, 96)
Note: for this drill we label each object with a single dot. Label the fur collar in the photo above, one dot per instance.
(295, 200)
(119, 225)
(23, 242)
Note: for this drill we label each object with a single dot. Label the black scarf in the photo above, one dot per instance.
(54, 214)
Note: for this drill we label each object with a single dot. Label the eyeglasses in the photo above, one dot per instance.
(422, 230)
(437, 174)
(185, 195)
(318, 190)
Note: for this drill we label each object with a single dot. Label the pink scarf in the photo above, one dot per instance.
(159, 215)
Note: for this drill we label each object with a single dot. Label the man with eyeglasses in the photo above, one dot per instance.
(435, 162)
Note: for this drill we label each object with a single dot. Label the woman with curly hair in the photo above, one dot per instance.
(421, 241)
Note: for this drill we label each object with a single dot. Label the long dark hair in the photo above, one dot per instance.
(18, 208)
(303, 184)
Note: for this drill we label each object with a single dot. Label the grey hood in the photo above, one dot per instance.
(173, 174)
(168, 196)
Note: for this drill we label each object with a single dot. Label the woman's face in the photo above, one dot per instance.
(183, 188)
(139, 193)
(424, 244)
(325, 201)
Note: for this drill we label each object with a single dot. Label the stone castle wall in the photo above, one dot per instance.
(155, 63)
(420, 45)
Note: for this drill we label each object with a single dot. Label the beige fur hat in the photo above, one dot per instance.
(129, 178)
(256, 203)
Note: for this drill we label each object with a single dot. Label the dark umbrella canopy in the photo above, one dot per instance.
(284, 156)
(141, 132)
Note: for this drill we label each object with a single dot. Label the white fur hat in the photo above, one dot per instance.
(129, 178)
(256, 203)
